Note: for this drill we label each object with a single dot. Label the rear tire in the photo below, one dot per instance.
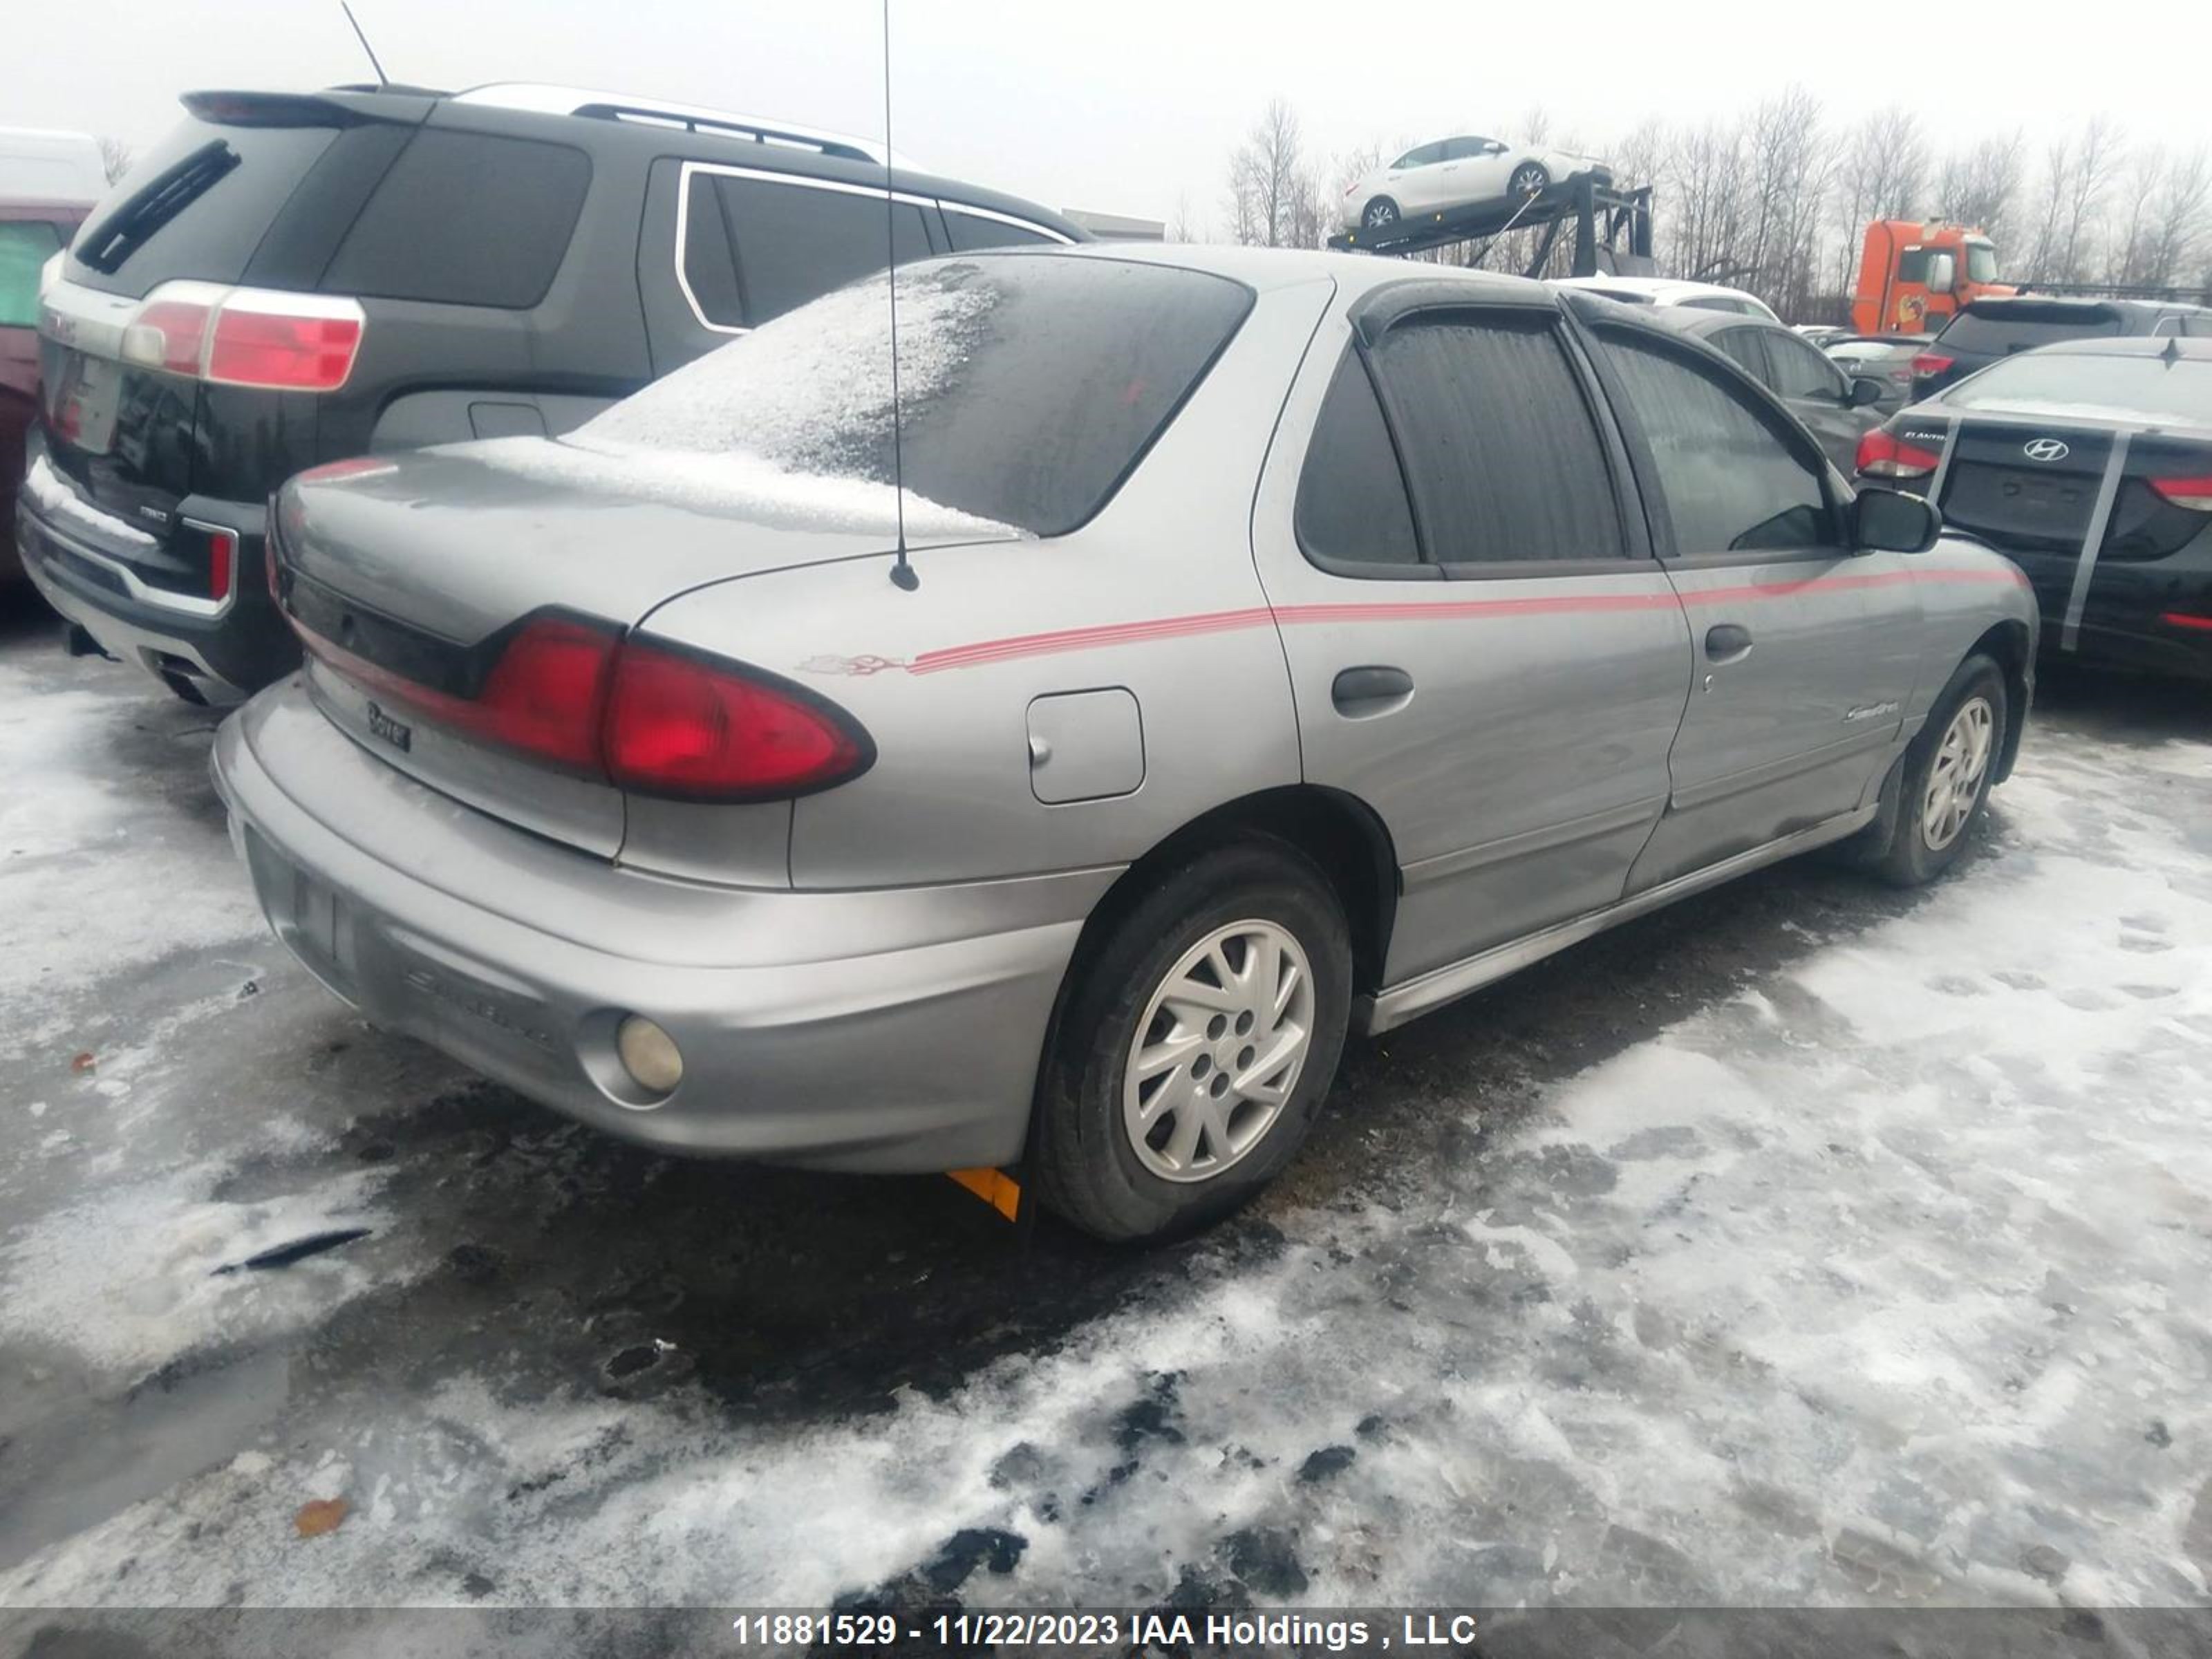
(1944, 785)
(1229, 1074)
(1379, 215)
(1527, 178)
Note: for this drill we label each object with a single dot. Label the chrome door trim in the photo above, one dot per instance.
(1543, 839)
(1019, 223)
(1387, 1009)
(2093, 541)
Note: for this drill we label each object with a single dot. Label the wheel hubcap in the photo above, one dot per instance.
(1380, 215)
(1218, 1051)
(1954, 783)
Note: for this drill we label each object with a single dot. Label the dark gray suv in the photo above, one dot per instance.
(291, 278)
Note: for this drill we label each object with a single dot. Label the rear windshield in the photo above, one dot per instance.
(197, 205)
(1030, 385)
(2014, 328)
(26, 244)
(2154, 390)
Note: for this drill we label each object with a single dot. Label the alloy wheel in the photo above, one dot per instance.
(1954, 782)
(1218, 1051)
(1379, 215)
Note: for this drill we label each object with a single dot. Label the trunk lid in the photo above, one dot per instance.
(412, 575)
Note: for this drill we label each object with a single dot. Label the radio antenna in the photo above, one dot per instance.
(382, 79)
(902, 572)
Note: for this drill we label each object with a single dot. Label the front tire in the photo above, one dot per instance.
(1194, 1052)
(1944, 789)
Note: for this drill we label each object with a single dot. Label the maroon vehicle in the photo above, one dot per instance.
(31, 232)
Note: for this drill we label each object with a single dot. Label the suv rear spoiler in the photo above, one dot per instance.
(339, 108)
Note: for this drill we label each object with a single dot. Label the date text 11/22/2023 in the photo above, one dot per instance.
(966, 1631)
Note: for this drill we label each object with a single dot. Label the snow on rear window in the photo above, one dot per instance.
(1028, 386)
(2152, 390)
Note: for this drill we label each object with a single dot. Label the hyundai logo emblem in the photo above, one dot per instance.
(2045, 449)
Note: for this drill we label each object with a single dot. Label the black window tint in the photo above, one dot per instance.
(1501, 453)
(1031, 384)
(197, 205)
(1795, 369)
(1425, 156)
(2020, 323)
(1352, 496)
(970, 231)
(1912, 265)
(708, 270)
(26, 244)
(795, 242)
(1731, 483)
(1746, 348)
(466, 219)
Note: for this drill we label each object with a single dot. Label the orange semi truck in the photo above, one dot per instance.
(1913, 277)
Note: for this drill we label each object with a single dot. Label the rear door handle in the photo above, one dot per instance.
(1362, 693)
(1726, 642)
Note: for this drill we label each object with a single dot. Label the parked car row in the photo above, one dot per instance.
(1041, 747)
(291, 278)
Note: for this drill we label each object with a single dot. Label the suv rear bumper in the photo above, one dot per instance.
(226, 656)
(889, 1031)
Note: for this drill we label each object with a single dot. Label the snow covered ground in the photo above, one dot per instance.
(1808, 1244)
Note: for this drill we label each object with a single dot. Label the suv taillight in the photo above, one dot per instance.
(649, 715)
(1885, 455)
(1931, 362)
(247, 336)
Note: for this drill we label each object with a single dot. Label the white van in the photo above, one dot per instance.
(50, 166)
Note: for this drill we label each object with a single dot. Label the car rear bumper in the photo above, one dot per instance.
(226, 657)
(892, 1030)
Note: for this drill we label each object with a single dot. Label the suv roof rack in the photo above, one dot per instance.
(545, 100)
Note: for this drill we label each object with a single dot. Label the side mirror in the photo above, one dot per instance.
(1864, 390)
(1889, 521)
(1943, 272)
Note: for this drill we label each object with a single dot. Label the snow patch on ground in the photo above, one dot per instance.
(128, 1279)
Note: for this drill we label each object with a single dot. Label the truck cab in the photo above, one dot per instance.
(1915, 278)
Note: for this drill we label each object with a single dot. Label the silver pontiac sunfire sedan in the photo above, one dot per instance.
(1284, 644)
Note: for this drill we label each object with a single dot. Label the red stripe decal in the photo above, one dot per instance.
(1221, 622)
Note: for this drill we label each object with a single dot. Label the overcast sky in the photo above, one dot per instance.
(1130, 106)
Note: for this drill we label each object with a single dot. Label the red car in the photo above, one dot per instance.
(31, 232)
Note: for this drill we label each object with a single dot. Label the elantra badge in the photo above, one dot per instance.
(2045, 449)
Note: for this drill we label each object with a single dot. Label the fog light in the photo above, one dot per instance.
(649, 1055)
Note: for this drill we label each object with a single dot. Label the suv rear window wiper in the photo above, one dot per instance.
(160, 199)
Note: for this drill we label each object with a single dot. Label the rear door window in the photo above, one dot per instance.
(466, 218)
(1730, 481)
(1352, 506)
(1501, 449)
(795, 242)
(26, 244)
(1747, 349)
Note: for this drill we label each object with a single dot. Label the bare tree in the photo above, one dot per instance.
(1185, 226)
(114, 157)
(2179, 218)
(2093, 168)
(1272, 195)
(1980, 186)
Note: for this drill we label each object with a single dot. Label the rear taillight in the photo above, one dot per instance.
(703, 728)
(222, 562)
(1885, 455)
(648, 715)
(2195, 493)
(2182, 619)
(247, 336)
(1931, 362)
